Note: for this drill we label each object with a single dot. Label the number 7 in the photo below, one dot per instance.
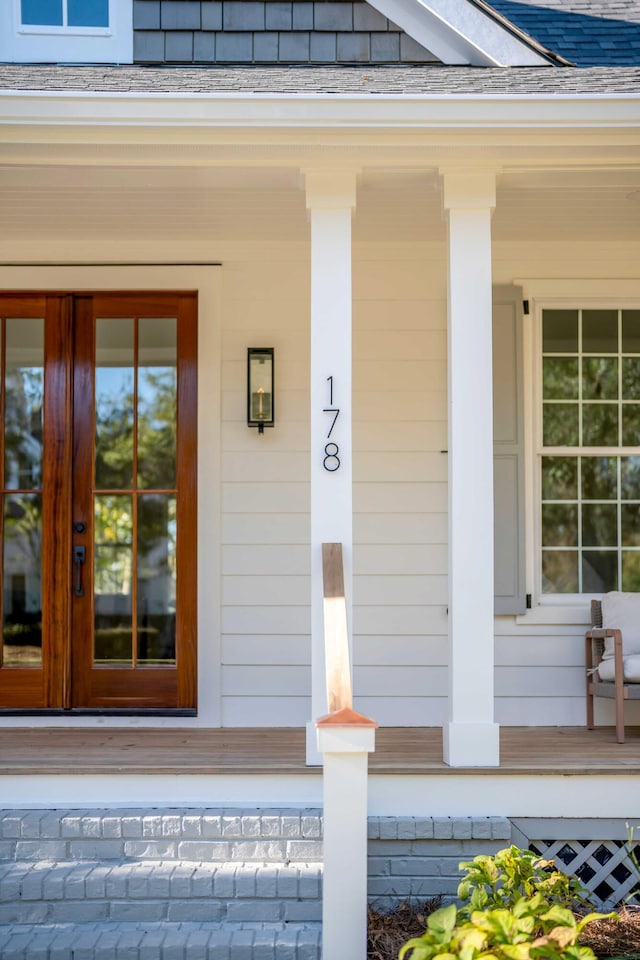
(335, 410)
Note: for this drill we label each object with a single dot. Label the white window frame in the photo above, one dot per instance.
(31, 43)
(566, 608)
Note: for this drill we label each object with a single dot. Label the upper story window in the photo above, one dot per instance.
(590, 451)
(66, 31)
(65, 13)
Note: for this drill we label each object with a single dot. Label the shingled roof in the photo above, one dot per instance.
(586, 32)
(308, 81)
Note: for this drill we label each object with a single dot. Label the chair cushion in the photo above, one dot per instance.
(622, 612)
(630, 669)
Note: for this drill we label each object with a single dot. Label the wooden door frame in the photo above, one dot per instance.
(52, 686)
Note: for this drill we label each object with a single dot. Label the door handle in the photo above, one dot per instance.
(79, 557)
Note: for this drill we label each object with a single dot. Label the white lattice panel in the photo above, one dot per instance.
(603, 867)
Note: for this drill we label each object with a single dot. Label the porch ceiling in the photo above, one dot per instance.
(204, 203)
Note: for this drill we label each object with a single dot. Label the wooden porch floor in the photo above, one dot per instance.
(399, 750)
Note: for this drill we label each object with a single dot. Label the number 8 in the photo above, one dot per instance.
(331, 454)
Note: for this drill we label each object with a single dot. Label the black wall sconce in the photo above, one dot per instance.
(260, 406)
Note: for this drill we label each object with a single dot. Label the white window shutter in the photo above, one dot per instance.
(508, 448)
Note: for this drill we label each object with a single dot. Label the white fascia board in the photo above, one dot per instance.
(458, 32)
(287, 112)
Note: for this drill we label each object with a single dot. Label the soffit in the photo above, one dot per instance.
(216, 204)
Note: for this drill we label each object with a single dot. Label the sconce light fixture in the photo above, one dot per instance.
(260, 412)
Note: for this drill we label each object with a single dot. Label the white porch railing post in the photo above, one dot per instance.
(471, 738)
(344, 739)
(331, 197)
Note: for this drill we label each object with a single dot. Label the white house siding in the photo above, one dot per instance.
(266, 678)
(400, 482)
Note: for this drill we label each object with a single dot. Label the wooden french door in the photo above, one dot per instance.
(98, 516)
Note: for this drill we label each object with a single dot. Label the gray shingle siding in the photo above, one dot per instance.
(268, 32)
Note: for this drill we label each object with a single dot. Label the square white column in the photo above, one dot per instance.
(331, 197)
(471, 737)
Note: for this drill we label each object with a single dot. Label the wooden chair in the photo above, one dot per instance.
(618, 689)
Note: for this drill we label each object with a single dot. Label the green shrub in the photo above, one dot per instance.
(515, 907)
(501, 880)
(522, 932)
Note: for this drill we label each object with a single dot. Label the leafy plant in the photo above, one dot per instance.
(515, 907)
(526, 931)
(503, 879)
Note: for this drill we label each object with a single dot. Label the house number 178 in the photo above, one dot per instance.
(331, 460)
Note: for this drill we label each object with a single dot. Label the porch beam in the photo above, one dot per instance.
(330, 197)
(471, 738)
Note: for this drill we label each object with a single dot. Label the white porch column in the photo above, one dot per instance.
(471, 738)
(331, 196)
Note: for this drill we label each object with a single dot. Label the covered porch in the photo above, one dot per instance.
(364, 250)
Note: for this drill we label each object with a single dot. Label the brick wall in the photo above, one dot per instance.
(268, 32)
(418, 858)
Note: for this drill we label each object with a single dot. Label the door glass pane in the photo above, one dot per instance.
(157, 403)
(24, 395)
(41, 12)
(156, 578)
(21, 581)
(88, 13)
(114, 404)
(113, 579)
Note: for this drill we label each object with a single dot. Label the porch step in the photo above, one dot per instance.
(187, 883)
(144, 890)
(152, 941)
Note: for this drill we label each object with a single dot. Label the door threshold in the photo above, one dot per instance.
(99, 712)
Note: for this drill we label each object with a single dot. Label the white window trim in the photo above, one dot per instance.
(548, 295)
(48, 44)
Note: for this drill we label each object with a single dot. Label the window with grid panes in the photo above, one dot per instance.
(590, 455)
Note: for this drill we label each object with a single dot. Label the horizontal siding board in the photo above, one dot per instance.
(400, 436)
(388, 621)
(398, 374)
(269, 279)
(266, 620)
(541, 711)
(237, 437)
(265, 711)
(388, 681)
(399, 467)
(271, 649)
(375, 497)
(400, 529)
(527, 682)
(405, 559)
(400, 651)
(539, 651)
(394, 591)
(400, 405)
(265, 590)
(266, 465)
(291, 342)
(404, 711)
(269, 530)
(267, 560)
(252, 497)
(403, 280)
(400, 344)
(403, 315)
(266, 681)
